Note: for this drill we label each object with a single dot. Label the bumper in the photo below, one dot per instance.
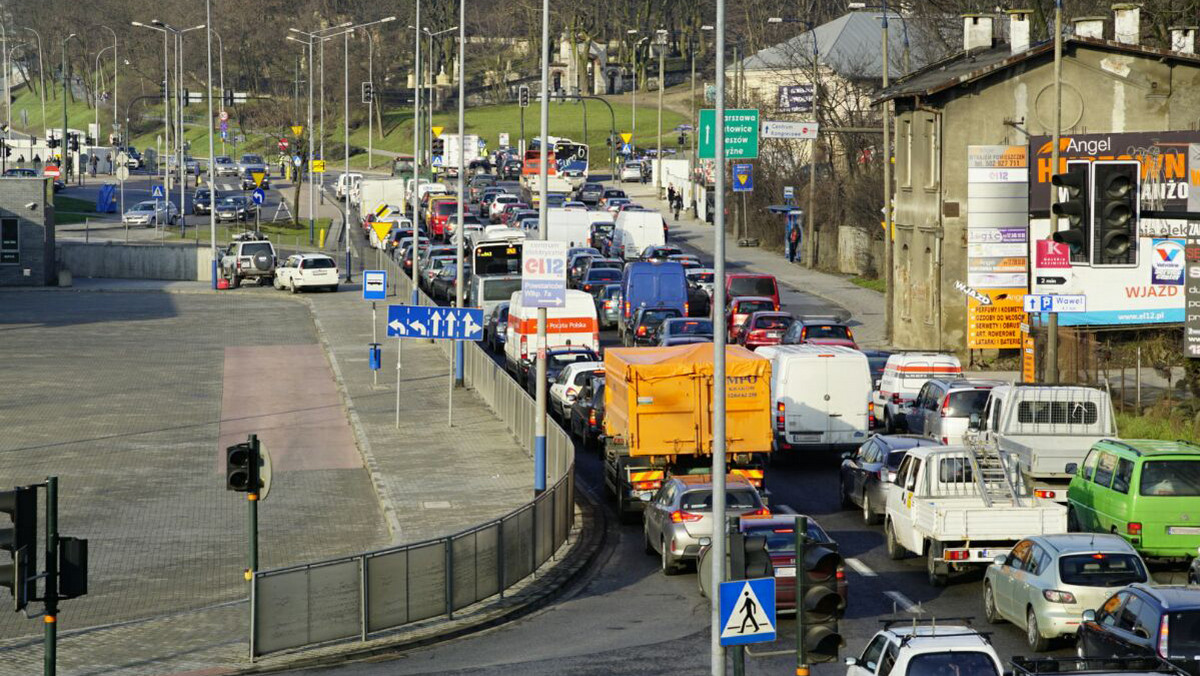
(754, 344)
(1056, 620)
(681, 544)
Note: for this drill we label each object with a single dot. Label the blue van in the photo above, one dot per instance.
(654, 284)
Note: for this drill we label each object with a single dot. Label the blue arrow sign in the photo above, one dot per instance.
(157, 192)
(747, 611)
(375, 285)
(421, 321)
(259, 196)
(743, 177)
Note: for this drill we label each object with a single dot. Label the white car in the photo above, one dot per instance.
(307, 271)
(908, 647)
(570, 381)
(631, 171)
(224, 165)
(498, 205)
(151, 213)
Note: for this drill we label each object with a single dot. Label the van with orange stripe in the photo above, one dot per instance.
(572, 324)
(903, 376)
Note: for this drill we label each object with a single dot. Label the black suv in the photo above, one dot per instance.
(1141, 620)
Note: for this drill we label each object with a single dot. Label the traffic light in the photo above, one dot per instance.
(72, 567)
(20, 540)
(248, 468)
(438, 147)
(52, 142)
(228, 97)
(7, 150)
(756, 558)
(1115, 212)
(1077, 234)
(74, 143)
(523, 96)
(818, 600)
(368, 92)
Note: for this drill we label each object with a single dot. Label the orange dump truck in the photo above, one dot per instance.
(658, 417)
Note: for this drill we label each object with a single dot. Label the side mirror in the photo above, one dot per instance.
(1001, 560)
(1072, 467)
(975, 422)
(850, 661)
(1089, 615)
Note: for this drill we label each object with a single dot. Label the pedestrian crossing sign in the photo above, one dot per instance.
(747, 611)
(437, 161)
(626, 149)
(157, 192)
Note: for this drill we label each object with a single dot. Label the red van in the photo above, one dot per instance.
(750, 284)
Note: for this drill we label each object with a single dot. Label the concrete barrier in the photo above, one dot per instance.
(180, 262)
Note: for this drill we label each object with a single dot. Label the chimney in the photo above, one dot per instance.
(1018, 29)
(1089, 27)
(977, 32)
(1127, 19)
(1183, 39)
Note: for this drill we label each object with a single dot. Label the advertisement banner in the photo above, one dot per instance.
(1053, 255)
(1166, 265)
(1191, 324)
(996, 326)
(997, 243)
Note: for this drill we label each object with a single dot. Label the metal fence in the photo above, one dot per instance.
(353, 596)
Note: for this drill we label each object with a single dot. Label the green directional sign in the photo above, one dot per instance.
(741, 134)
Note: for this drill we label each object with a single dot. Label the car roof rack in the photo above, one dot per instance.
(1084, 665)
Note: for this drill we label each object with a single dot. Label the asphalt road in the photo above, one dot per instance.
(626, 617)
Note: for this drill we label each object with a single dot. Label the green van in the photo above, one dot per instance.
(1144, 490)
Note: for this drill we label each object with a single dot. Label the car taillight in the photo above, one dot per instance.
(1043, 493)
(627, 308)
(761, 511)
(1134, 528)
(945, 441)
(524, 347)
(685, 309)
(841, 572)
(849, 334)
(945, 406)
(871, 413)
(1164, 631)
(649, 486)
(680, 516)
(570, 391)
(956, 554)
(592, 417)
(608, 304)
(895, 397)
(803, 334)
(1056, 596)
(587, 287)
(641, 331)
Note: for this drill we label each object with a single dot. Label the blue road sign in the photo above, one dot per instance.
(421, 321)
(375, 285)
(297, 160)
(437, 160)
(747, 611)
(224, 135)
(626, 149)
(543, 293)
(1055, 303)
(259, 196)
(743, 177)
(157, 192)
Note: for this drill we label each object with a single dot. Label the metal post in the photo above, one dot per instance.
(1052, 342)
(346, 143)
(221, 79)
(416, 245)
(399, 352)
(662, 84)
(810, 238)
(801, 538)
(718, 383)
(7, 77)
(312, 207)
(371, 101)
(692, 156)
(51, 588)
(212, 183)
(42, 80)
(462, 170)
(62, 145)
(321, 98)
(539, 427)
(888, 234)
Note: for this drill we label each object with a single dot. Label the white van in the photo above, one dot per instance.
(488, 291)
(570, 225)
(821, 395)
(346, 184)
(903, 376)
(574, 323)
(636, 230)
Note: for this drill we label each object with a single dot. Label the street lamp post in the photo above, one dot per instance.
(41, 77)
(662, 85)
(179, 103)
(212, 182)
(432, 83)
(539, 420)
(66, 79)
(416, 158)
(462, 170)
(114, 85)
(96, 88)
(370, 100)
(718, 383)
(221, 78)
(166, 99)
(633, 123)
(7, 76)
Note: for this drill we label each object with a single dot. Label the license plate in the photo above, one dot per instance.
(1183, 530)
(785, 572)
(319, 272)
(774, 334)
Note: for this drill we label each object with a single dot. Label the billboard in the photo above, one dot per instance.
(795, 98)
(997, 244)
(1153, 291)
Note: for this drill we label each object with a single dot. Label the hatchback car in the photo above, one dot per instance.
(691, 327)
(1046, 582)
(591, 193)
(151, 213)
(763, 328)
(565, 388)
(944, 406)
(233, 208)
(1146, 491)
(680, 515)
(909, 648)
(750, 284)
(631, 171)
(201, 201)
(866, 473)
(644, 328)
(739, 308)
(1142, 620)
(595, 279)
(557, 359)
(820, 331)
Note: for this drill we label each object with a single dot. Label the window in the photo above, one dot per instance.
(1089, 465)
(1171, 478)
(1038, 561)
(914, 469)
(1128, 619)
(954, 471)
(889, 659)
(1058, 412)
(702, 500)
(965, 402)
(1120, 482)
(1108, 612)
(1019, 555)
(1105, 469)
(1101, 570)
(996, 415)
(959, 663)
(870, 656)
(905, 181)
(10, 241)
(934, 163)
(930, 282)
(906, 276)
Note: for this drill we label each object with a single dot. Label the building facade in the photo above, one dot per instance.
(27, 232)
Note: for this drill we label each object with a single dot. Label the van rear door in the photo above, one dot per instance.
(847, 391)
(807, 412)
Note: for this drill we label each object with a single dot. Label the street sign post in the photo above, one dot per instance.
(437, 131)
(122, 173)
(283, 145)
(627, 137)
(259, 196)
(748, 611)
(743, 177)
(1055, 303)
(544, 273)
(741, 134)
(297, 130)
(375, 285)
(51, 171)
(792, 130)
(445, 323)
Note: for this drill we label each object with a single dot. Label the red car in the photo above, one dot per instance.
(510, 209)
(764, 328)
(741, 307)
(749, 284)
(820, 332)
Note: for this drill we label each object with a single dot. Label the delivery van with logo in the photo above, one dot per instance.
(574, 323)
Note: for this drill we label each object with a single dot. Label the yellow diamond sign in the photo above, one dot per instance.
(258, 177)
(297, 130)
(626, 136)
(437, 132)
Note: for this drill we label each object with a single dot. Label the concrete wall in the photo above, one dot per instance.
(182, 262)
(858, 253)
(28, 201)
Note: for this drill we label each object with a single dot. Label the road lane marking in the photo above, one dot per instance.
(903, 602)
(861, 568)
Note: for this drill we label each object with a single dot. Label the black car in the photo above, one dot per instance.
(591, 193)
(1144, 621)
(557, 358)
(699, 302)
(234, 208)
(597, 278)
(495, 327)
(512, 169)
(600, 234)
(444, 285)
(876, 360)
(644, 330)
(866, 471)
(202, 201)
(587, 414)
(249, 184)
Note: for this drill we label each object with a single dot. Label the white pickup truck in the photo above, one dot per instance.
(1046, 429)
(961, 508)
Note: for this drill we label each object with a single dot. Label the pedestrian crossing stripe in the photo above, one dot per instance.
(747, 611)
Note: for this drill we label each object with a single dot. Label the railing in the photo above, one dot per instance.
(354, 596)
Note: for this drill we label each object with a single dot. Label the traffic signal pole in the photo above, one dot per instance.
(51, 599)
(801, 535)
(1051, 371)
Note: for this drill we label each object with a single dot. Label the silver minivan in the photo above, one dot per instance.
(943, 408)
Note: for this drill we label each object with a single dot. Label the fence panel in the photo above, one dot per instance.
(543, 537)
(463, 554)
(387, 589)
(311, 604)
(517, 543)
(487, 561)
(426, 581)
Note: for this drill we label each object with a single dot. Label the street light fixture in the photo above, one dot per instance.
(62, 144)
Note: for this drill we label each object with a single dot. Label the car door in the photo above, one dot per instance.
(900, 503)
(1029, 584)
(1096, 638)
(914, 417)
(1129, 637)
(1101, 493)
(1014, 573)
(858, 467)
(868, 662)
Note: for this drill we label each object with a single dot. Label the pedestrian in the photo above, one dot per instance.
(95, 163)
(37, 162)
(677, 204)
(793, 242)
(21, 160)
(671, 196)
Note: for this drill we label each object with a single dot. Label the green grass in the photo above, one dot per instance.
(280, 233)
(69, 210)
(1151, 425)
(871, 283)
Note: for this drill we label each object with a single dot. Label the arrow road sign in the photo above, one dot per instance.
(747, 611)
(743, 177)
(259, 196)
(1056, 303)
(544, 273)
(420, 321)
(741, 134)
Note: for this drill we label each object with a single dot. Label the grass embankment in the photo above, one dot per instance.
(283, 234)
(1154, 424)
(68, 210)
(879, 285)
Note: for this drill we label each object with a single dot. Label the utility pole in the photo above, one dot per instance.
(212, 170)
(888, 234)
(462, 170)
(662, 84)
(416, 259)
(1051, 370)
(718, 383)
(539, 420)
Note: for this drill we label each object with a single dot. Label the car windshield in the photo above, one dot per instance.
(611, 291)
(746, 307)
(772, 323)
(1175, 478)
(256, 248)
(656, 317)
(500, 289)
(701, 500)
(600, 263)
(1101, 570)
(957, 663)
(691, 327)
(251, 159)
(558, 361)
(318, 263)
(446, 208)
(752, 286)
(826, 331)
(894, 458)
(1185, 632)
(202, 194)
(603, 275)
(963, 404)
(144, 206)
(702, 277)
(231, 201)
(782, 539)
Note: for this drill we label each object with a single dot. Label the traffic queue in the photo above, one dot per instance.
(1028, 484)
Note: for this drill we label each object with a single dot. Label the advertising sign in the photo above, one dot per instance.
(1191, 324)
(1166, 265)
(795, 98)
(996, 325)
(997, 244)
(544, 273)
(1053, 255)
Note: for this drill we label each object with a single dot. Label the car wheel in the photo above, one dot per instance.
(275, 283)
(295, 287)
(888, 425)
(235, 282)
(989, 605)
(868, 510)
(894, 550)
(669, 566)
(1033, 635)
(333, 287)
(844, 495)
(1072, 521)
(937, 572)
